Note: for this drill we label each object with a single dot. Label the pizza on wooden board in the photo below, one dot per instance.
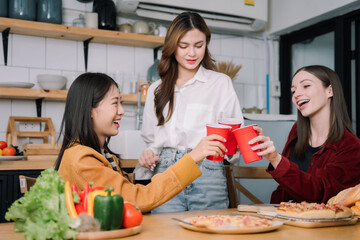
(240, 221)
(305, 210)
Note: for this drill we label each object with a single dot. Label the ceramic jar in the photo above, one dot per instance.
(22, 9)
(106, 13)
(144, 27)
(49, 11)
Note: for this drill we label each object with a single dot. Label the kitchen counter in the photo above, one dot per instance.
(39, 162)
(161, 226)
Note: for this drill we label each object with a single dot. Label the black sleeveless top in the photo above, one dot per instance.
(305, 162)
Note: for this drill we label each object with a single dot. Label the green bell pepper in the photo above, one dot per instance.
(108, 210)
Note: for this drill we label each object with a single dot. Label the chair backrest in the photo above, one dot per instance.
(26, 183)
(239, 172)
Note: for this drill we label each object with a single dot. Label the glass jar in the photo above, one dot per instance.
(22, 9)
(79, 22)
(49, 11)
(3, 8)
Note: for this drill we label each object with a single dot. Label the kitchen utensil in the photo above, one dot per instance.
(49, 11)
(109, 234)
(257, 207)
(126, 27)
(41, 149)
(16, 84)
(152, 72)
(79, 22)
(91, 20)
(312, 223)
(275, 215)
(3, 8)
(230, 230)
(22, 9)
(160, 31)
(107, 14)
(186, 222)
(51, 82)
(143, 27)
(12, 133)
(11, 158)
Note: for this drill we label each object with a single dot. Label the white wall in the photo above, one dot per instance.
(29, 56)
(289, 15)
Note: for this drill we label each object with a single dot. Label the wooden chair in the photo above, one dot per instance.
(239, 172)
(26, 183)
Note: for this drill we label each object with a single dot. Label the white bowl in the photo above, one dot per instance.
(51, 82)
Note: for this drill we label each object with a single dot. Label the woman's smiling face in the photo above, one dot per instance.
(107, 115)
(310, 96)
(191, 50)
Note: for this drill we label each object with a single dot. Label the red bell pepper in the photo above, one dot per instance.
(83, 195)
(78, 205)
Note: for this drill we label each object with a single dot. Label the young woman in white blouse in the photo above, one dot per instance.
(189, 95)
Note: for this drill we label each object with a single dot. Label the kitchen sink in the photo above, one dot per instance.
(129, 144)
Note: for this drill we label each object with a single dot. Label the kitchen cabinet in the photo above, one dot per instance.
(10, 188)
(10, 171)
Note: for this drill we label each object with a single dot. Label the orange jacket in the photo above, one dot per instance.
(81, 164)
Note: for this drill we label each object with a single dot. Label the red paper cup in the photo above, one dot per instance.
(221, 130)
(243, 136)
(231, 143)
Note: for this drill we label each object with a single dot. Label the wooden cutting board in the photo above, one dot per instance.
(41, 149)
(109, 234)
(257, 208)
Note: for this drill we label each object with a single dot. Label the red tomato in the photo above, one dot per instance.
(9, 151)
(3, 145)
(132, 216)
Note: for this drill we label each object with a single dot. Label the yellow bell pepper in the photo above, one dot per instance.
(69, 200)
(91, 198)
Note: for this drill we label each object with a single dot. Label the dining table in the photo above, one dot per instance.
(162, 226)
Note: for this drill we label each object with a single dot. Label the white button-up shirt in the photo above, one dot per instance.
(206, 98)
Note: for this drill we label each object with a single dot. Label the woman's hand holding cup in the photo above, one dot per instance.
(266, 147)
(212, 145)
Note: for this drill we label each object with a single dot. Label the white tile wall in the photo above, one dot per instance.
(28, 51)
(29, 56)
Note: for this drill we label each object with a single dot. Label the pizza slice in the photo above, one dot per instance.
(240, 221)
(305, 210)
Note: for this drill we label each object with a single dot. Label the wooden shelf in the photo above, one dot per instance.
(52, 95)
(58, 31)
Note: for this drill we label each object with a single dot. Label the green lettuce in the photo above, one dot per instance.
(41, 213)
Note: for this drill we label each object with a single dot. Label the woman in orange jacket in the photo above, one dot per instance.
(92, 114)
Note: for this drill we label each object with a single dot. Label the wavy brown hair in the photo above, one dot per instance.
(168, 66)
(339, 117)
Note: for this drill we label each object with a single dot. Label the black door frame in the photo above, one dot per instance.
(341, 26)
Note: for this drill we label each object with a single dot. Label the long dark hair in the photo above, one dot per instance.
(168, 66)
(85, 93)
(339, 117)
